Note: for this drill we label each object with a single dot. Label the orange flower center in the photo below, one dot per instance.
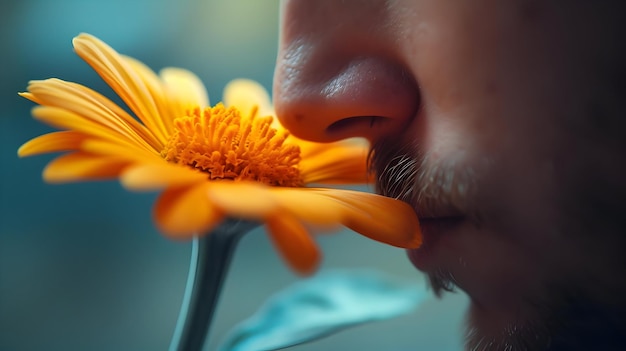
(221, 143)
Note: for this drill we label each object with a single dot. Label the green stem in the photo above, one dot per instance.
(210, 259)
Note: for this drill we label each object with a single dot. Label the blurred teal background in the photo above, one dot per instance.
(82, 267)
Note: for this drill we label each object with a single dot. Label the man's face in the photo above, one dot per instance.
(499, 121)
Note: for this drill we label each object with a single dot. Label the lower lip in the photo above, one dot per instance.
(433, 230)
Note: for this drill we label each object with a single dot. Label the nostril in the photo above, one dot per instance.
(353, 123)
(365, 97)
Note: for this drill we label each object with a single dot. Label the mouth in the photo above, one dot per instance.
(436, 188)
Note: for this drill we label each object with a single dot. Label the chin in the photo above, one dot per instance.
(518, 301)
(500, 316)
(572, 322)
(490, 329)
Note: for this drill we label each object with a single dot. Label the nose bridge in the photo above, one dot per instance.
(336, 78)
(310, 35)
(321, 18)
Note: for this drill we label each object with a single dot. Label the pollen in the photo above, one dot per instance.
(228, 146)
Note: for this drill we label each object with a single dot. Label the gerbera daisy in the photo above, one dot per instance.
(211, 163)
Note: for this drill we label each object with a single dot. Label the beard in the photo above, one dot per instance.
(571, 313)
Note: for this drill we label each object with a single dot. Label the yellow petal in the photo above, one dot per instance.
(185, 212)
(336, 165)
(91, 106)
(81, 166)
(156, 176)
(166, 111)
(122, 149)
(378, 217)
(52, 142)
(124, 80)
(29, 96)
(310, 206)
(312, 149)
(246, 200)
(63, 119)
(294, 243)
(184, 89)
(246, 94)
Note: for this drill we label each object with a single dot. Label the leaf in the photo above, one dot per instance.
(323, 305)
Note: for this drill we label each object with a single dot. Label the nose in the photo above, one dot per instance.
(339, 73)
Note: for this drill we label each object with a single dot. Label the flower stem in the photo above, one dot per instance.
(210, 259)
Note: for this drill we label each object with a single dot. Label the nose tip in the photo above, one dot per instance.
(366, 97)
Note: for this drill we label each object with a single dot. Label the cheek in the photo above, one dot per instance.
(500, 121)
(515, 194)
(495, 89)
(495, 78)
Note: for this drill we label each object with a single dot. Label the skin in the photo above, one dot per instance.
(501, 123)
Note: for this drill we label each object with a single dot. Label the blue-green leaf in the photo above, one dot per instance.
(322, 305)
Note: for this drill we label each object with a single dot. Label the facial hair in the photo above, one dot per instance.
(561, 317)
(404, 172)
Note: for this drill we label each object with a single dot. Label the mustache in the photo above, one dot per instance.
(432, 186)
(405, 172)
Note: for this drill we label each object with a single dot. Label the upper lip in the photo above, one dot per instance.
(431, 207)
(400, 176)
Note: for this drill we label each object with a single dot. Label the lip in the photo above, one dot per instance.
(434, 231)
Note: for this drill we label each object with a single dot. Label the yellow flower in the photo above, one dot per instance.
(230, 160)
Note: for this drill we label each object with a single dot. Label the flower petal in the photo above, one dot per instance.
(120, 148)
(294, 243)
(80, 166)
(90, 106)
(184, 89)
(125, 81)
(184, 212)
(336, 164)
(378, 217)
(63, 119)
(157, 176)
(160, 98)
(245, 200)
(52, 142)
(312, 149)
(310, 206)
(246, 94)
